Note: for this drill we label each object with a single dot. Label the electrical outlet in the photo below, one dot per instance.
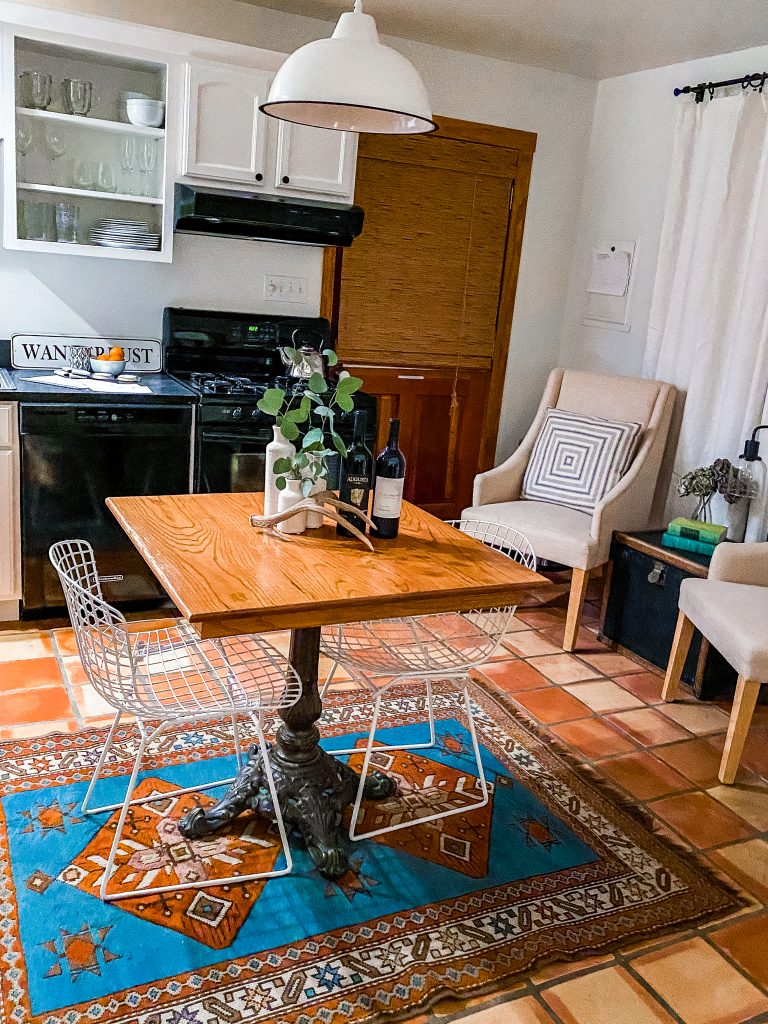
(281, 288)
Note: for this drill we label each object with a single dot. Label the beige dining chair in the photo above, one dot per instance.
(730, 608)
(582, 540)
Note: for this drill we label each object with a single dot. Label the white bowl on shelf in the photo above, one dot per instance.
(145, 113)
(114, 367)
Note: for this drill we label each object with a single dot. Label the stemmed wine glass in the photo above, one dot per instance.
(147, 162)
(55, 143)
(128, 163)
(24, 141)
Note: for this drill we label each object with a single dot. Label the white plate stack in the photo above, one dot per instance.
(124, 234)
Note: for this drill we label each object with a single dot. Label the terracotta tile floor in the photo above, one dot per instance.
(606, 710)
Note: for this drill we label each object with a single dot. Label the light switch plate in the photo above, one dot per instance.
(281, 288)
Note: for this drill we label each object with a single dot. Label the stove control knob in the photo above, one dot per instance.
(237, 413)
(254, 414)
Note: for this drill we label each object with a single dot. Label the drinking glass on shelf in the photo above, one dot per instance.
(38, 222)
(55, 142)
(106, 180)
(24, 138)
(83, 174)
(36, 89)
(147, 162)
(67, 222)
(77, 96)
(128, 163)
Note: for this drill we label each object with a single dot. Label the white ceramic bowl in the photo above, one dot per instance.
(145, 113)
(113, 366)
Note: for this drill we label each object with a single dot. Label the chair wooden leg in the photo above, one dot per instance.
(579, 583)
(747, 692)
(680, 647)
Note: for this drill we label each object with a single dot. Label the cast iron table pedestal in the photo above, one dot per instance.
(313, 787)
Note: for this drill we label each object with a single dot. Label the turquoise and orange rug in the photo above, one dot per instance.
(552, 868)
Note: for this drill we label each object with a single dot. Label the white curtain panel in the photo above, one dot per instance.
(708, 327)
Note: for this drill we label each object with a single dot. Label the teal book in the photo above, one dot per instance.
(709, 533)
(671, 540)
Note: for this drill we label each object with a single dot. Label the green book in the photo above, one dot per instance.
(671, 540)
(710, 533)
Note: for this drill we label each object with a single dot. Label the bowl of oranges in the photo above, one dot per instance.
(112, 364)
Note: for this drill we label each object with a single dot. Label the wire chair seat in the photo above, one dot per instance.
(171, 672)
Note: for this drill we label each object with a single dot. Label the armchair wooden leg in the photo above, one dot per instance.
(680, 647)
(579, 583)
(747, 692)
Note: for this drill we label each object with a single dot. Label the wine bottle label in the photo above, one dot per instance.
(388, 498)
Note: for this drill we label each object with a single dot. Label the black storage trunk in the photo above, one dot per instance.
(641, 610)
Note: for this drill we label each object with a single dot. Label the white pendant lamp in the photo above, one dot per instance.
(351, 82)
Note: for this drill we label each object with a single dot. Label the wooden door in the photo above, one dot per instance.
(224, 128)
(430, 283)
(315, 160)
(441, 421)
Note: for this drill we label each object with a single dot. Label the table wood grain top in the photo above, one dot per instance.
(226, 577)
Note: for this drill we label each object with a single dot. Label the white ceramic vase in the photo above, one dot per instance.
(278, 448)
(316, 519)
(289, 497)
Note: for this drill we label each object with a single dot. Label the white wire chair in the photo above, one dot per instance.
(385, 653)
(170, 676)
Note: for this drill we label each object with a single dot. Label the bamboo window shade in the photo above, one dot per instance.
(422, 283)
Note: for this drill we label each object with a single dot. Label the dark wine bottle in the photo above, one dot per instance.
(355, 476)
(388, 489)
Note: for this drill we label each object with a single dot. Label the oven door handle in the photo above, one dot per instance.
(217, 438)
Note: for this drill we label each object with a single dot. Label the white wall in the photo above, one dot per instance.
(624, 195)
(70, 293)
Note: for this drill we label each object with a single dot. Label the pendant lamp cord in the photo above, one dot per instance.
(358, 6)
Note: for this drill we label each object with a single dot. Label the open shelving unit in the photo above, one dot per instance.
(97, 163)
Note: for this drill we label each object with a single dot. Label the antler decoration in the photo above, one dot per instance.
(316, 503)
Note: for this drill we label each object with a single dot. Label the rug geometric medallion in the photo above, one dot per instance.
(552, 867)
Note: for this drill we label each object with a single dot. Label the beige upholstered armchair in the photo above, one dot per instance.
(730, 608)
(561, 534)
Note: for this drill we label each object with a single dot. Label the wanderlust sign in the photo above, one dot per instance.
(42, 352)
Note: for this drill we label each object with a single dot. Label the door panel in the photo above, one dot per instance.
(224, 128)
(315, 160)
(441, 420)
(9, 525)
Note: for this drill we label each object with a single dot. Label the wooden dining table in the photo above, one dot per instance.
(228, 579)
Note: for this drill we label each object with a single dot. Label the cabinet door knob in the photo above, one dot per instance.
(259, 176)
(286, 180)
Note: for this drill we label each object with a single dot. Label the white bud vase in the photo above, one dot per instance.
(278, 448)
(289, 497)
(316, 519)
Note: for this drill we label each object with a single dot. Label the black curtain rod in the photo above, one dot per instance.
(755, 81)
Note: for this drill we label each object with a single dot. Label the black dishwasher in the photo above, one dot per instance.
(75, 456)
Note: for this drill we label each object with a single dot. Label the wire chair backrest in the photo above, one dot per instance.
(102, 642)
(501, 538)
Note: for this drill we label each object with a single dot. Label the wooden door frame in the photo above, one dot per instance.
(488, 135)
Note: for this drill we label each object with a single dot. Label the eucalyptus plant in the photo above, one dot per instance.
(293, 412)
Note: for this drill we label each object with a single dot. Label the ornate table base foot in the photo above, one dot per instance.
(312, 795)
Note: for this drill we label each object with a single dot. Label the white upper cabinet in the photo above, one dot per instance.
(224, 129)
(315, 160)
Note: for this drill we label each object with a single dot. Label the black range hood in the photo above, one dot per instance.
(209, 211)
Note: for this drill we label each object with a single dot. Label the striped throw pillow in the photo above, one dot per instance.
(577, 459)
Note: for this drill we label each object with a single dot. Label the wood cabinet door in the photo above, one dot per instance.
(441, 423)
(315, 160)
(224, 128)
(10, 541)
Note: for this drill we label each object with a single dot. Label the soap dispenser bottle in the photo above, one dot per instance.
(753, 477)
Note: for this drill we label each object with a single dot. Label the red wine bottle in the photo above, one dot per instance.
(388, 489)
(355, 485)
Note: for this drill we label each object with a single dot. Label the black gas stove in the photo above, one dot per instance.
(229, 360)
